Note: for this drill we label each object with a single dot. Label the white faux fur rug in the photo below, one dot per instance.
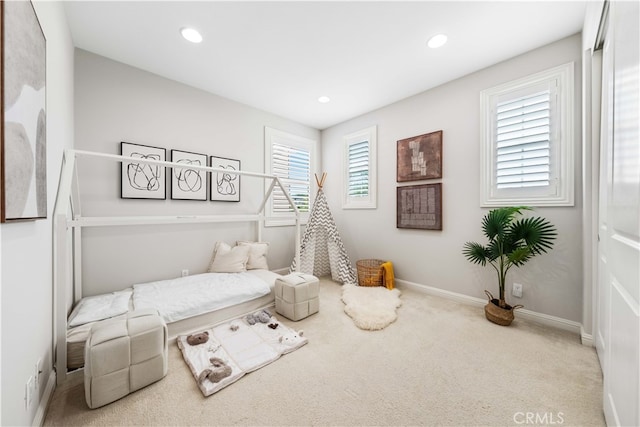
(371, 308)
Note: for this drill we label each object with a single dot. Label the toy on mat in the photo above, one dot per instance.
(261, 316)
(196, 339)
(291, 338)
(219, 371)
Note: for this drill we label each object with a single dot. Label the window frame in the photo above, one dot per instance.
(560, 192)
(275, 136)
(361, 202)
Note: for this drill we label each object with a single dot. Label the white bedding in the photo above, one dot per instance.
(100, 307)
(184, 297)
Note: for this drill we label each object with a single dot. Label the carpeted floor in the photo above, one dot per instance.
(441, 363)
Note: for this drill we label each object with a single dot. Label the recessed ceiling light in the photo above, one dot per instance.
(437, 41)
(324, 99)
(192, 35)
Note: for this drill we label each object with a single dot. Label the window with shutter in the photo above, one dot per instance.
(358, 185)
(359, 175)
(527, 141)
(290, 158)
(523, 136)
(292, 165)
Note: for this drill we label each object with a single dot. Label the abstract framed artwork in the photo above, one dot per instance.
(23, 159)
(225, 186)
(188, 183)
(419, 207)
(420, 157)
(142, 180)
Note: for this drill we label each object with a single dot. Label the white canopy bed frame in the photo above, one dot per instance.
(68, 223)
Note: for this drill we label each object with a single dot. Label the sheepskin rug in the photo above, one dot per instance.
(371, 307)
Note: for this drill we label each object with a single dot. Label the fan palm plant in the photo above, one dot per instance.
(513, 240)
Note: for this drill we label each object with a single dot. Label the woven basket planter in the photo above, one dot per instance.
(496, 314)
(370, 272)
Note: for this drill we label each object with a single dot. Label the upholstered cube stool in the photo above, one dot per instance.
(297, 295)
(124, 355)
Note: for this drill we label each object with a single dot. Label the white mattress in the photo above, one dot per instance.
(189, 296)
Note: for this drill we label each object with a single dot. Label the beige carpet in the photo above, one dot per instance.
(440, 363)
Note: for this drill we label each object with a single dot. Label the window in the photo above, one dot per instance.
(290, 158)
(359, 176)
(527, 141)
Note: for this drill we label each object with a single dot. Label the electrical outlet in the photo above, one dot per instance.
(517, 290)
(38, 371)
(185, 272)
(28, 393)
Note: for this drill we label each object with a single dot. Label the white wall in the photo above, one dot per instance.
(116, 102)
(26, 256)
(552, 282)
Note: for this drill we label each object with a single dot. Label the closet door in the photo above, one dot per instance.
(618, 324)
(603, 294)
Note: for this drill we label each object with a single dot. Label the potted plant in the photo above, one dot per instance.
(513, 240)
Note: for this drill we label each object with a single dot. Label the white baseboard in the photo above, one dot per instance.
(587, 339)
(541, 318)
(281, 271)
(465, 299)
(38, 419)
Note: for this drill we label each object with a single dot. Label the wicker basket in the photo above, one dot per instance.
(498, 315)
(370, 272)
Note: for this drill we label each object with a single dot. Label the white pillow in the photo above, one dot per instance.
(100, 307)
(227, 259)
(257, 255)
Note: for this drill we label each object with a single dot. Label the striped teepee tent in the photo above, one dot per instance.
(321, 250)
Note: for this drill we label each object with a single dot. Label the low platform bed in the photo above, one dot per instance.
(72, 327)
(187, 304)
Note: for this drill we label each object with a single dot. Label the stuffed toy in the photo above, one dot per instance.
(251, 319)
(219, 371)
(291, 338)
(262, 316)
(196, 339)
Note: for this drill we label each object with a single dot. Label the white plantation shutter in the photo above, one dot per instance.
(292, 159)
(527, 141)
(293, 166)
(523, 141)
(358, 183)
(359, 170)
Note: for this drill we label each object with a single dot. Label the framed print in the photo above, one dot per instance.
(23, 159)
(188, 183)
(419, 207)
(420, 157)
(142, 180)
(225, 187)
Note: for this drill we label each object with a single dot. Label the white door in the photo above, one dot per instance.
(618, 304)
(606, 137)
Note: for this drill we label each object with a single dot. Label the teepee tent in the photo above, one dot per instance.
(321, 249)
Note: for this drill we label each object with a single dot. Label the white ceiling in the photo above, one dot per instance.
(281, 56)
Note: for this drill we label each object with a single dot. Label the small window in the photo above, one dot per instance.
(359, 175)
(290, 158)
(527, 141)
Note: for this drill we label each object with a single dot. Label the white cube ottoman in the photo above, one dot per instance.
(297, 295)
(124, 355)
